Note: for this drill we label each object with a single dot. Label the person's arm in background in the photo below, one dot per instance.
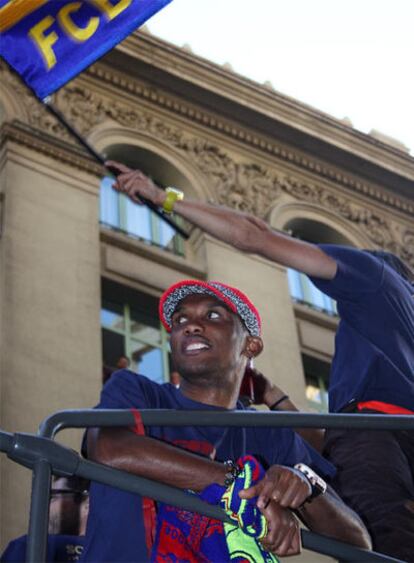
(269, 394)
(241, 230)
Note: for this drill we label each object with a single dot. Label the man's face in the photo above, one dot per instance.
(64, 509)
(207, 340)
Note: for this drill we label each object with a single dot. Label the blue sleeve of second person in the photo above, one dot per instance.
(358, 273)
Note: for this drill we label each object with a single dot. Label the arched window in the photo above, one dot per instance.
(119, 213)
(301, 288)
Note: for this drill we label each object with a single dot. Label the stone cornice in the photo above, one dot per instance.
(275, 107)
(45, 129)
(48, 145)
(152, 252)
(237, 178)
(248, 137)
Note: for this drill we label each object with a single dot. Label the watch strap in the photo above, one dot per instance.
(318, 485)
(172, 195)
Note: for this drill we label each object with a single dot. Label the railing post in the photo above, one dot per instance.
(39, 512)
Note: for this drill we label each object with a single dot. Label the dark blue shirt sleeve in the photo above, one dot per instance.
(125, 390)
(59, 548)
(358, 273)
(16, 551)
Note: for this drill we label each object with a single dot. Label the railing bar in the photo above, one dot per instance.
(39, 512)
(6, 441)
(343, 551)
(84, 468)
(146, 487)
(181, 499)
(162, 417)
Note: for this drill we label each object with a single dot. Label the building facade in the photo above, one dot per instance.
(81, 268)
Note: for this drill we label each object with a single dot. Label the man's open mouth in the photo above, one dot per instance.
(196, 347)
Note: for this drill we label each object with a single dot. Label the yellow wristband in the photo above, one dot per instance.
(172, 196)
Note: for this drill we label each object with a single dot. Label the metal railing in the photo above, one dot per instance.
(45, 457)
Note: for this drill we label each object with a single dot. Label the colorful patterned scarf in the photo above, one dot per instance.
(191, 538)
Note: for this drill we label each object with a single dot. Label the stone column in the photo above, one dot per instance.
(49, 306)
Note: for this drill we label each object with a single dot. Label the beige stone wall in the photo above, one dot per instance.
(50, 301)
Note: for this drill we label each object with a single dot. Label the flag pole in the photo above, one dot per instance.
(99, 158)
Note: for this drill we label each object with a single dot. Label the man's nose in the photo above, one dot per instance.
(193, 326)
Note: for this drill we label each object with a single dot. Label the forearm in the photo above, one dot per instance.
(153, 459)
(251, 234)
(240, 230)
(329, 516)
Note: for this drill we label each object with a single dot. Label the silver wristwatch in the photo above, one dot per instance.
(318, 485)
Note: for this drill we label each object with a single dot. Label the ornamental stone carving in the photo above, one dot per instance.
(83, 108)
(246, 186)
(406, 248)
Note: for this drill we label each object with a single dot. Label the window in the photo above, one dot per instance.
(303, 291)
(301, 288)
(131, 328)
(317, 382)
(118, 212)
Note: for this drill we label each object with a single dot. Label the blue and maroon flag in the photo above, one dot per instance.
(48, 42)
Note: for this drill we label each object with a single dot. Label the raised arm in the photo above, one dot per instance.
(241, 230)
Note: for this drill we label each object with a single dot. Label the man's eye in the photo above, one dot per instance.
(180, 320)
(213, 315)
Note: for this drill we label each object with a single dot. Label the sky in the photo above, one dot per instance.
(352, 58)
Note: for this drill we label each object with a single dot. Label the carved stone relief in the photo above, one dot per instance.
(246, 186)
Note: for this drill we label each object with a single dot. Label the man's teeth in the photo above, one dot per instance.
(196, 346)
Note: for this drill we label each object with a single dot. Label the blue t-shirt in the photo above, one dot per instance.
(115, 530)
(374, 345)
(60, 548)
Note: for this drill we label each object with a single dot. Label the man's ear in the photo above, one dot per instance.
(253, 346)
